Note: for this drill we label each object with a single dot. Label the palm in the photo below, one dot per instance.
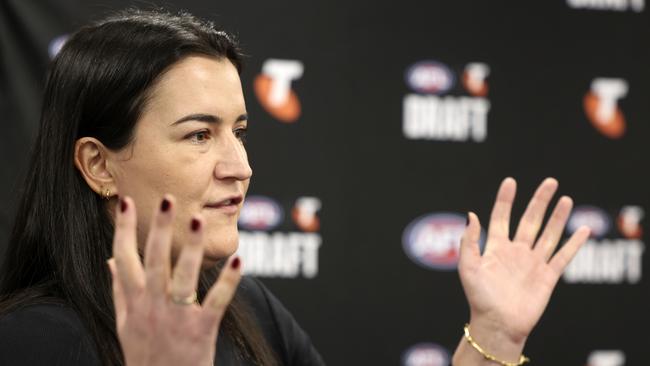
(512, 281)
(157, 322)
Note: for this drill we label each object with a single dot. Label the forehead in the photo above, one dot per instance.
(198, 84)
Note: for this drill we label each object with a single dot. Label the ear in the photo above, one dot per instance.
(91, 157)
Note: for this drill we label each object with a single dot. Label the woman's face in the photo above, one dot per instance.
(188, 143)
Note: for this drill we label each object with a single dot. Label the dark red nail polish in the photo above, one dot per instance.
(195, 225)
(164, 206)
(235, 263)
(467, 220)
(123, 205)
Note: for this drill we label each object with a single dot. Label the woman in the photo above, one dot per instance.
(140, 154)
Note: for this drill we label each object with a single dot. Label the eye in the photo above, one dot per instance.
(241, 134)
(199, 137)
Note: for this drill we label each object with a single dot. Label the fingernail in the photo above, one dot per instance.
(123, 205)
(235, 263)
(467, 222)
(164, 206)
(195, 225)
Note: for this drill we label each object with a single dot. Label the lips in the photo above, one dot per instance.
(227, 203)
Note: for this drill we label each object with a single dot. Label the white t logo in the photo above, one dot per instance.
(608, 91)
(281, 72)
(630, 217)
(476, 74)
(307, 208)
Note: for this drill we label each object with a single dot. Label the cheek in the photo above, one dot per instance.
(146, 187)
(185, 176)
(147, 181)
(145, 175)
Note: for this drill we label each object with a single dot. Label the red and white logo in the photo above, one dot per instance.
(304, 213)
(594, 217)
(474, 78)
(607, 258)
(430, 77)
(438, 110)
(273, 89)
(433, 240)
(269, 248)
(260, 213)
(601, 106)
(629, 222)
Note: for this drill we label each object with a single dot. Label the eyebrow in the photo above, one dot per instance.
(209, 118)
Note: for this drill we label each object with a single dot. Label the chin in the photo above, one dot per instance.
(220, 244)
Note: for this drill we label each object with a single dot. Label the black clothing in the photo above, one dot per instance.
(51, 334)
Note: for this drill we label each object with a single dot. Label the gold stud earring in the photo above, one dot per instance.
(106, 194)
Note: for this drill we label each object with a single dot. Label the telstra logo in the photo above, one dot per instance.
(601, 106)
(304, 213)
(474, 78)
(629, 222)
(273, 88)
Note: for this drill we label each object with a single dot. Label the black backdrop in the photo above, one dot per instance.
(392, 146)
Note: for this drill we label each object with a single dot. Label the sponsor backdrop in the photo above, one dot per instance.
(377, 125)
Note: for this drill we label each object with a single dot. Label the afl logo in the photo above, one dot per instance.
(429, 77)
(260, 213)
(433, 240)
(593, 217)
(425, 354)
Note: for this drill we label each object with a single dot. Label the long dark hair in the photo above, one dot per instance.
(97, 86)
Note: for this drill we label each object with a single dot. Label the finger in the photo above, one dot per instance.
(125, 249)
(188, 266)
(470, 252)
(157, 252)
(221, 293)
(533, 217)
(119, 299)
(500, 217)
(554, 228)
(562, 258)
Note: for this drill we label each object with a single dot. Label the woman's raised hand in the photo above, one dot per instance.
(159, 321)
(509, 285)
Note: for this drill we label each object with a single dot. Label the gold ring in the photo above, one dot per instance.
(188, 300)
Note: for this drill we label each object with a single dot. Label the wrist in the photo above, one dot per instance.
(497, 329)
(497, 339)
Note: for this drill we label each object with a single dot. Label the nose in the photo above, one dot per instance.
(232, 160)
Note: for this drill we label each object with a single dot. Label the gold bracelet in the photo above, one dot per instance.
(522, 359)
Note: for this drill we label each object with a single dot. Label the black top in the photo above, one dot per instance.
(52, 334)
